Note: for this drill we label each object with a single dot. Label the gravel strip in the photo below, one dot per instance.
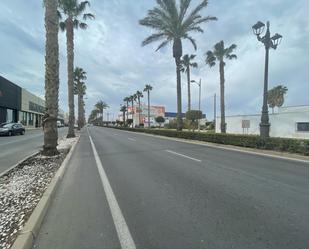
(22, 188)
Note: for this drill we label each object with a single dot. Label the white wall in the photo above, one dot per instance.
(283, 123)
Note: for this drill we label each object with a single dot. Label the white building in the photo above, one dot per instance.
(290, 122)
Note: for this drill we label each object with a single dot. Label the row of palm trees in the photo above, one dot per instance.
(65, 15)
(137, 98)
(173, 23)
(98, 112)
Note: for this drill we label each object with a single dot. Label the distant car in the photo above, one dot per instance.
(12, 129)
(59, 124)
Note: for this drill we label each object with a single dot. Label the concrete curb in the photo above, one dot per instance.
(252, 151)
(31, 229)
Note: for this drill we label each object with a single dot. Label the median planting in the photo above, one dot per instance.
(299, 146)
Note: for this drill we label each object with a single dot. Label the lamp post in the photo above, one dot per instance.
(199, 99)
(215, 110)
(269, 42)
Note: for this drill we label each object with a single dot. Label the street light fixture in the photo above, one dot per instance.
(199, 99)
(269, 42)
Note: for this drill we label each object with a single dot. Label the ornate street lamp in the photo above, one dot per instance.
(269, 42)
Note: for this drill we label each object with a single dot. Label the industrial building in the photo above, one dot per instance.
(289, 122)
(19, 105)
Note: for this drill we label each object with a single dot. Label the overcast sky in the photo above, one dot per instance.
(111, 53)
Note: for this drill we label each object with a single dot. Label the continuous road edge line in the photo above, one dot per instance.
(224, 147)
(26, 237)
(122, 229)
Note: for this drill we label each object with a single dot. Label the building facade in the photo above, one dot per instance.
(10, 101)
(19, 105)
(32, 109)
(289, 122)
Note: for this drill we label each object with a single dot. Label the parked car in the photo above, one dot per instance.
(12, 129)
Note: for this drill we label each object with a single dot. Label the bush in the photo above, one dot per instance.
(300, 146)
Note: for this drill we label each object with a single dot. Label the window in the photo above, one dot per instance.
(302, 126)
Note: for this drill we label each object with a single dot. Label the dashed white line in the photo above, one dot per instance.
(124, 235)
(132, 139)
(182, 155)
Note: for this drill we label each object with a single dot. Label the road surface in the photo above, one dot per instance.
(15, 148)
(167, 194)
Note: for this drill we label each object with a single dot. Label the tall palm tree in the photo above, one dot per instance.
(139, 95)
(147, 89)
(186, 64)
(101, 106)
(72, 10)
(80, 91)
(219, 54)
(127, 100)
(51, 79)
(123, 109)
(173, 24)
(132, 99)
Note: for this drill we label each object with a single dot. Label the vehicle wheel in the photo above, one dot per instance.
(10, 133)
(22, 133)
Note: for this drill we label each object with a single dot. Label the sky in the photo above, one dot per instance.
(117, 65)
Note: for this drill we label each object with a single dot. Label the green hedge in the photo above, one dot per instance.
(300, 146)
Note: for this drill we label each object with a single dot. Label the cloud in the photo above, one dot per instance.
(117, 66)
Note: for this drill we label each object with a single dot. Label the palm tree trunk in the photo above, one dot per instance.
(177, 53)
(139, 112)
(222, 100)
(148, 93)
(79, 118)
(179, 107)
(70, 55)
(51, 79)
(189, 88)
(127, 110)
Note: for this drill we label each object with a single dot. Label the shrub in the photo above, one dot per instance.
(300, 146)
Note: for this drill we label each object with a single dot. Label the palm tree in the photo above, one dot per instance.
(220, 53)
(275, 96)
(127, 100)
(101, 106)
(139, 95)
(186, 64)
(51, 79)
(147, 89)
(80, 91)
(72, 10)
(131, 99)
(123, 109)
(172, 25)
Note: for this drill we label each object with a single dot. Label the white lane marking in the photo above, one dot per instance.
(124, 235)
(115, 134)
(178, 154)
(132, 139)
(221, 147)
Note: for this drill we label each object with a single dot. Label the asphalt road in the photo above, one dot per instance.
(15, 148)
(167, 194)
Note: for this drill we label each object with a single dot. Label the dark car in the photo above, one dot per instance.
(12, 129)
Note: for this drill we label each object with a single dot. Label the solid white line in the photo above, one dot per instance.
(132, 139)
(124, 235)
(173, 152)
